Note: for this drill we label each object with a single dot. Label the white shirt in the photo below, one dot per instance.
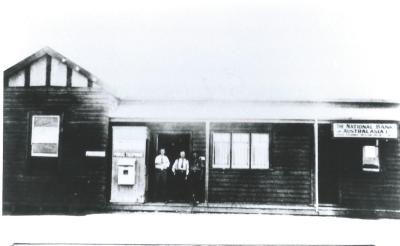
(161, 162)
(181, 164)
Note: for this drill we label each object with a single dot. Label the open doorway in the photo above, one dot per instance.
(173, 143)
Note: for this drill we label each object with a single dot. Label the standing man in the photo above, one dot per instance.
(161, 165)
(196, 174)
(180, 169)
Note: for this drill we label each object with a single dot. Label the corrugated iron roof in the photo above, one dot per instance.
(253, 110)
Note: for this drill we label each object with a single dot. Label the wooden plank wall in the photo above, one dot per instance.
(77, 182)
(287, 182)
(356, 188)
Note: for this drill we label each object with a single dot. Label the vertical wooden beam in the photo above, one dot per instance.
(207, 174)
(250, 150)
(48, 70)
(27, 72)
(316, 204)
(230, 149)
(69, 76)
(90, 83)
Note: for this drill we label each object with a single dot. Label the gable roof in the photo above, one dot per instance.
(54, 54)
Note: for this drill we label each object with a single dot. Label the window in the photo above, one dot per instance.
(240, 150)
(45, 135)
(260, 150)
(370, 158)
(221, 143)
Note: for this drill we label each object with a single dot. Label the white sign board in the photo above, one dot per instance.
(95, 153)
(365, 130)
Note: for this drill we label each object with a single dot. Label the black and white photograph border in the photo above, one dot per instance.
(27, 244)
(200, 122)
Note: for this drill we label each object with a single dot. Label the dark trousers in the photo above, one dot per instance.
(160, 189)
(180, 189)
(196, 185)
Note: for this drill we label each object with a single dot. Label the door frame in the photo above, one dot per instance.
(154, 144)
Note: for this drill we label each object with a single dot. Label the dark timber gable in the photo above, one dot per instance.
(72, 181)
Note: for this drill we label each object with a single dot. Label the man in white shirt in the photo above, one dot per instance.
(161, 165)
(180, 169)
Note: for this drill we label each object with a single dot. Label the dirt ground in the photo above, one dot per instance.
(175, 228)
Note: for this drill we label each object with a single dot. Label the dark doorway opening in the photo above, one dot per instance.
(173, 143)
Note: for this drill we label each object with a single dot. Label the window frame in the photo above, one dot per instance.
(268, 164)
(44, 155)
(250, 133)
(248, 152)
(29, 135)
(230, 151)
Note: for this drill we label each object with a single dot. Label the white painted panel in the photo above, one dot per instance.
(259, 150)
(126, 161)
(38, 73)
(91, 153)
(58, 73)
(240, 150)
(221, 150)
(17, 79)
(129, 180)
(78, 80)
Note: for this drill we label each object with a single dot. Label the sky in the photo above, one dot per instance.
(201, 50)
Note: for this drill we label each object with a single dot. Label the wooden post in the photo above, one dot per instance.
(316, 165)
(48, 70)
(207, 162)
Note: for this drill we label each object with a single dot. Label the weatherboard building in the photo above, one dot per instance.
(71, 145)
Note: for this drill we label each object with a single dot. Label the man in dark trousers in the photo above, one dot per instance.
(161, 166)
(180, 169)
(196, 174)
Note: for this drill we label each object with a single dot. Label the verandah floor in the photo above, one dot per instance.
(241, 208)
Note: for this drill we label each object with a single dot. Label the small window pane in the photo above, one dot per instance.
(45, 135)
(38, 72)
(260, 151)
(17, 80)
(45, 149)
(58, 73)
(78, 80)
(221, 143)
(240, 150)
